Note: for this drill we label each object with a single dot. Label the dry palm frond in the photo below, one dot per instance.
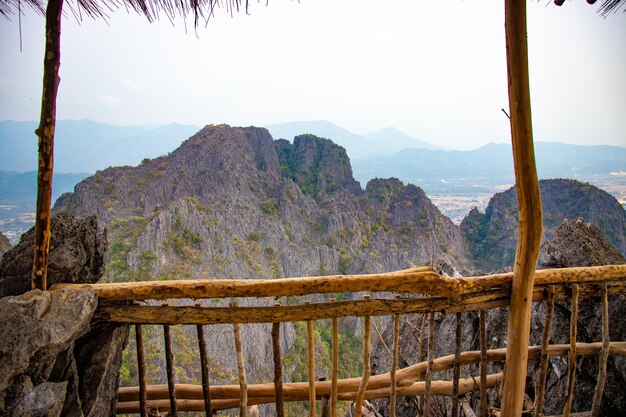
(151, 9)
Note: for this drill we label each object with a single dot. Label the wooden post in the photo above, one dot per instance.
(278, 370)
(604, 353)
(420, 399)
(484, 400)
(457, 367)
(529, 203)
(169, 364)
(325, 401)
(141, 371)
(243, 384)
(540, 392)
(394, 365)
(311, 353)
(335, 370)
(358, 405)
(571, 360)
(429, 369)
(204, 365)
(45, 133)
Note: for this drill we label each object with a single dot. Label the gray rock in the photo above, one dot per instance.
(45, 400)
(77, 251)
(36, 329)
(5, 244)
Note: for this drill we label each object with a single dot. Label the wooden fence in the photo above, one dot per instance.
(438, 294)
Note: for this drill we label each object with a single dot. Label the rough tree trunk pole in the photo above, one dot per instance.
(45, 133)
(529, 202)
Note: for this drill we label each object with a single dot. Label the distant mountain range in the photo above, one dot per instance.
(87, 146)
(383, 142)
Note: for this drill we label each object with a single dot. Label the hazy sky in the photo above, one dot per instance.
(434, 69)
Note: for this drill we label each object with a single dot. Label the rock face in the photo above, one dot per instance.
(51, 362)
(492, 235)
(36, 329)
(5, 244)
(77, 251)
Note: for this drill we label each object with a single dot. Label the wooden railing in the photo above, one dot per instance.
(437, 294)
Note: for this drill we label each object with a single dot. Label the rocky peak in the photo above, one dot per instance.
(318, 166)
(576, 243)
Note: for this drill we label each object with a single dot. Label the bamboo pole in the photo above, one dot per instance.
(545, 341)
(278, 370)
(484, 400)
(394, 365)
(457, 366)
(571, 363)
(382, 381)
(169, 364)
(429, 369)
(243, 385)
(141, 371)
(358, 406)
(335, 369)
(529, 203)
(604, 353)
(204, 366)
(45, 134)
(311, 352)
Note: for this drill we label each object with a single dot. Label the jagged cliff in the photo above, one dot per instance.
(492, 235)
(231, 202)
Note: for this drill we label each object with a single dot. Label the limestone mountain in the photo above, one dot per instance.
(231, 202)
(492, 235)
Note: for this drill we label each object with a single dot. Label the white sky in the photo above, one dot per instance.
(434, 69)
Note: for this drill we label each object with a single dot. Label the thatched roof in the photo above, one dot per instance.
(199, 9)
(151, 9)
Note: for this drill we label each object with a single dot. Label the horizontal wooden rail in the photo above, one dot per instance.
(466, 385)
(145, 314)
(417, 280)
(406, 377)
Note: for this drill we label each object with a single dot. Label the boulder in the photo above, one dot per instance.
(36, 329)
(77, 251)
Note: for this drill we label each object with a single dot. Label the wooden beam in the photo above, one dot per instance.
(204, 367)
(457, 365)
(358, 406)
(278, 370)
(45, 133)
(394, 365)
(169, 365)
(529, 203)
(243, 384)
(335, 366)
(141, 371)
(414, 281)
(484, 400)
(429, 363)
(379, 307)
(311, 364)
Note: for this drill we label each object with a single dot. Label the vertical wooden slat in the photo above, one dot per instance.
(604, 354)
(45, 133)
(358, 405)
(335, 370)
(571, 360)
(394, 365)
(457, 366)
(241, 369)
(325, 401)
(540, 392)
(484, 400)
(278, 370)
(169, 364)
(141, 371)
(429, 368)
(420, 399)
(311, 352)
(204, 366)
